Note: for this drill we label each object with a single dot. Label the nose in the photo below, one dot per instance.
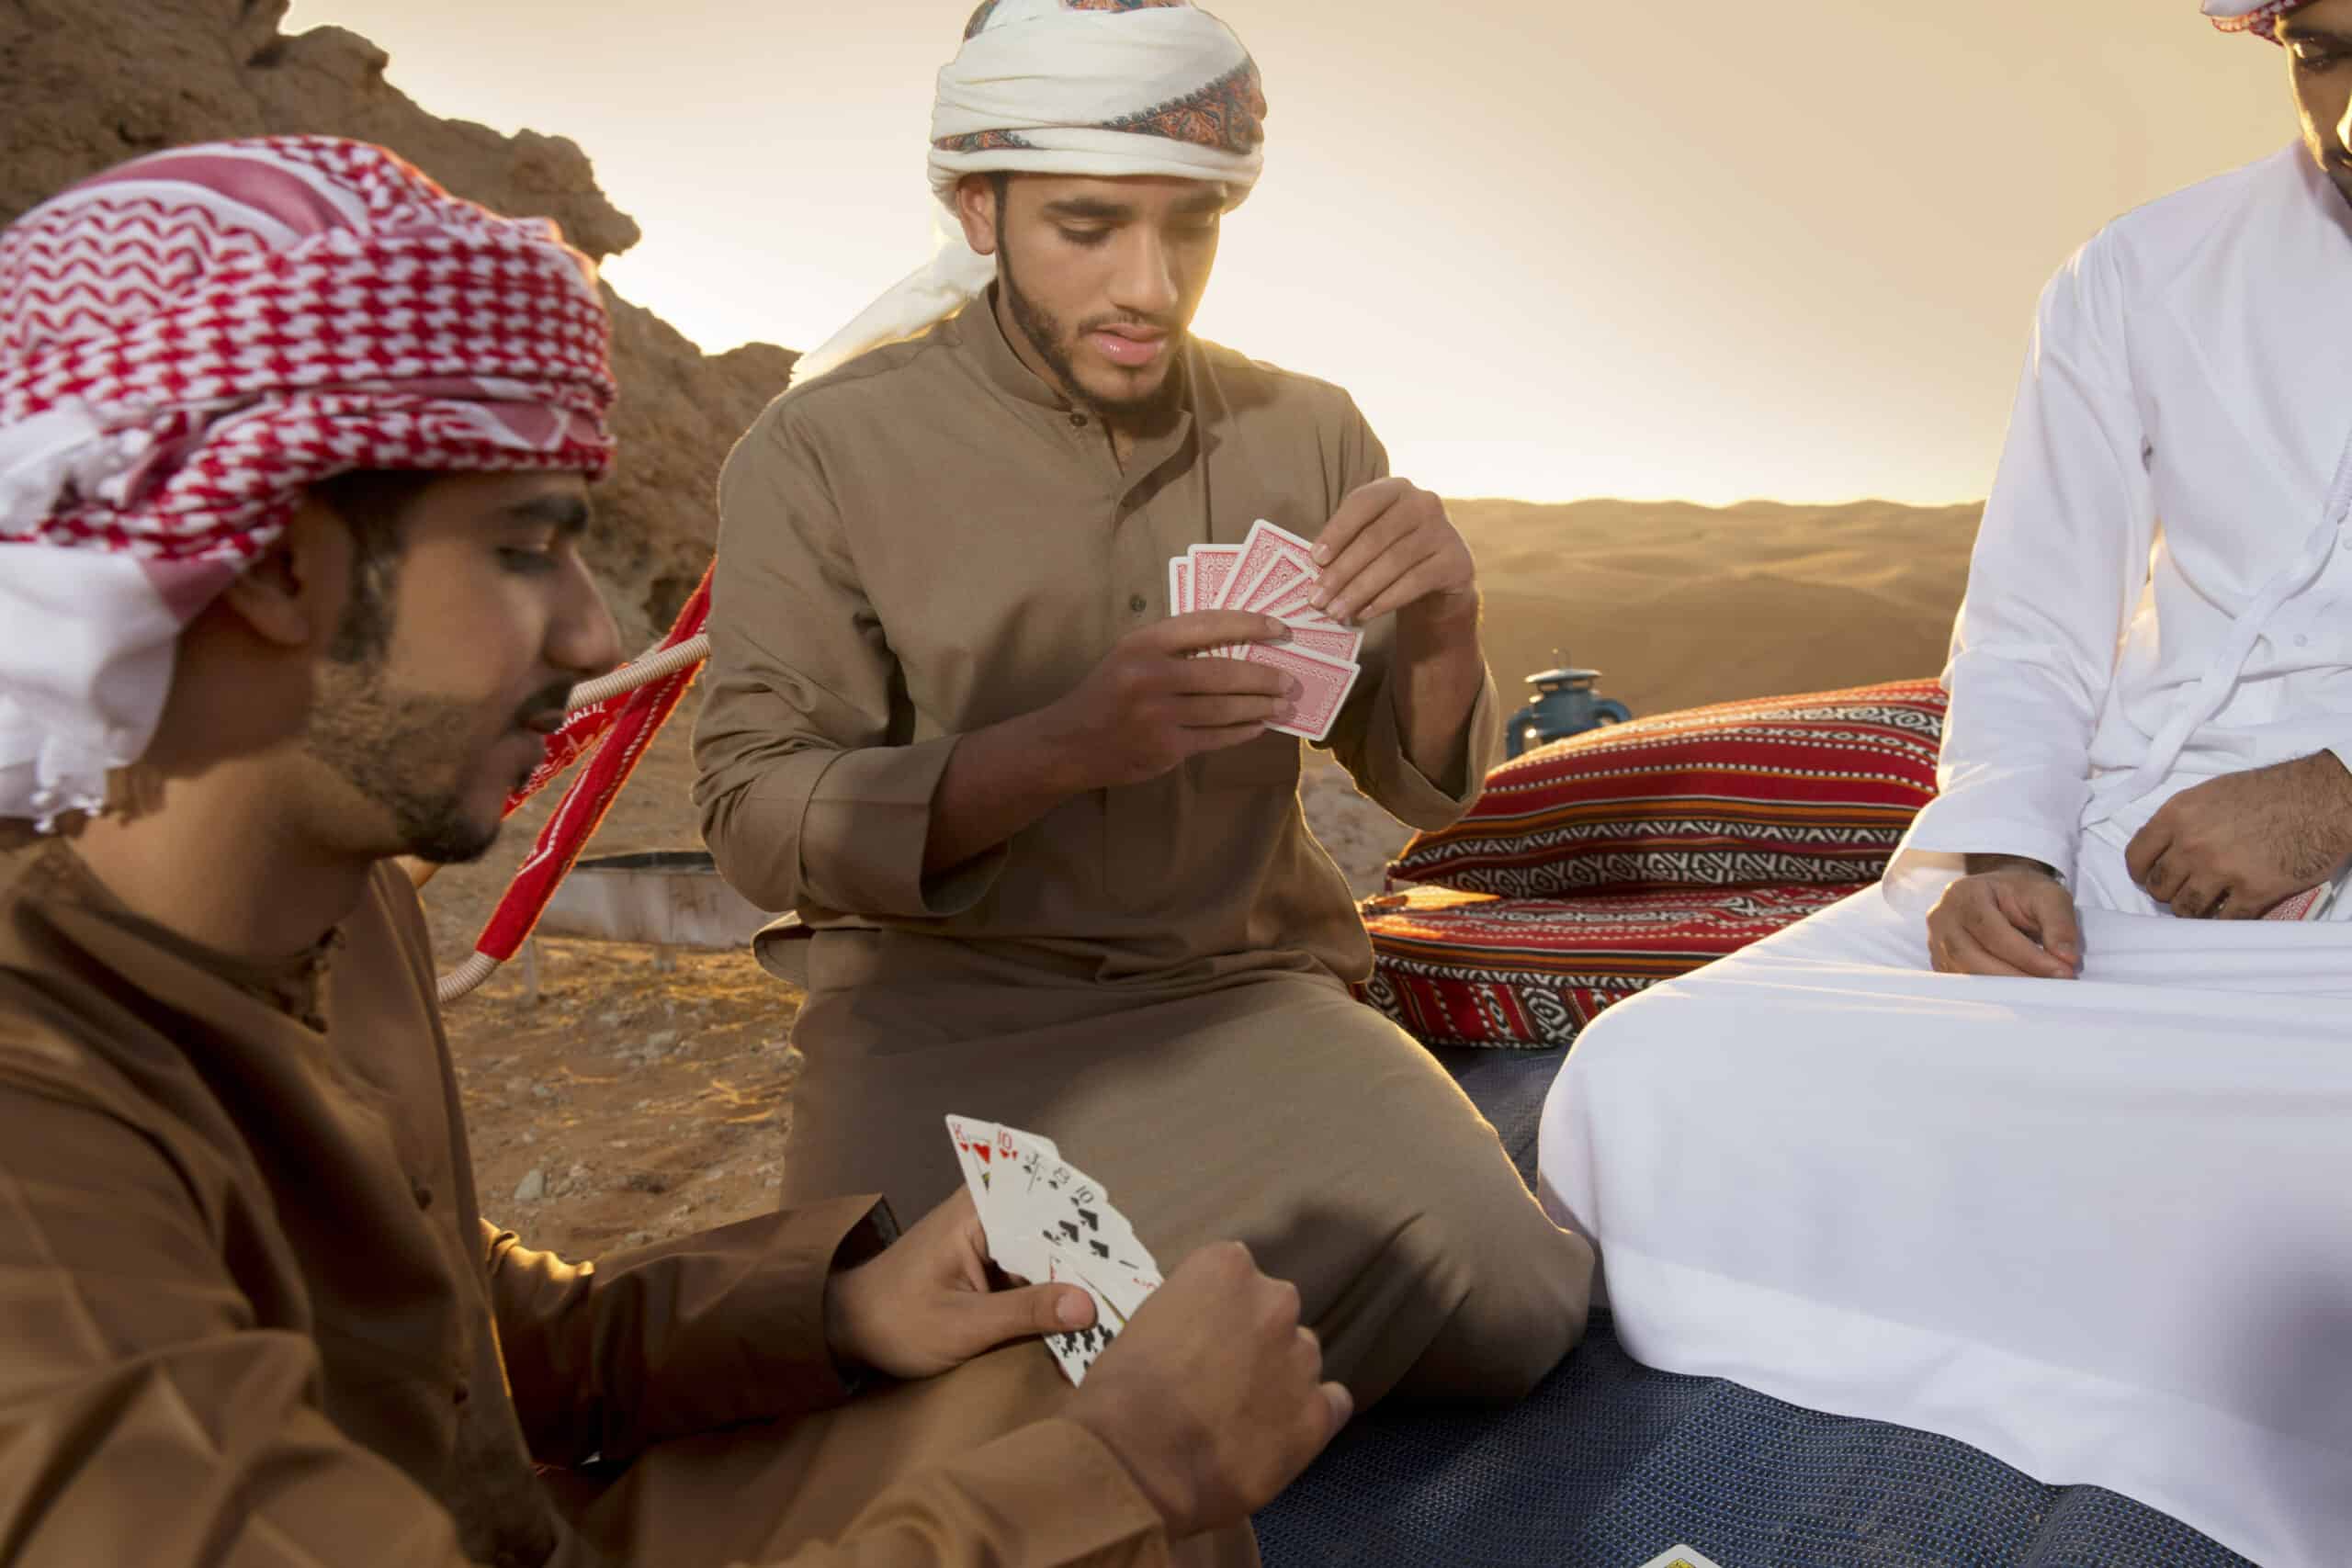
(1145, 283)
(583, 639)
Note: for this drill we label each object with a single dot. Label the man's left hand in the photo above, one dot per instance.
(2232, 847)
(924, 1306)
(1390, 546)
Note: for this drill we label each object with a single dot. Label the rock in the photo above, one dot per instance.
(90, 82)
(661, 1043)
(533, 1187)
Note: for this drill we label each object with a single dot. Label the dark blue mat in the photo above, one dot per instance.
(1609, 1463)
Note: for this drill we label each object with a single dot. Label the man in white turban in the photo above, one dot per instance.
(2045, 1143)
(1056, 869)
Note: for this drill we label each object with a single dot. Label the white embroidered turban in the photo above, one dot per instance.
(191, 339)
(1098, 88)
(2258, 17)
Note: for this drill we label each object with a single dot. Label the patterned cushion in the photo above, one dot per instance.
(1814, 789)
(1455, 968)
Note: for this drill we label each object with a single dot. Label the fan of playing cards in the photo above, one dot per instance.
(1272, 573)
(1049, 1222)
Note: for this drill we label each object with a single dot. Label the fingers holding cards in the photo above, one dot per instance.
(1048, 1222)
(1273, 573)
(1391, 546)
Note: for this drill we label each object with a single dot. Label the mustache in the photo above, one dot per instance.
(1168, 324)
(550, 705)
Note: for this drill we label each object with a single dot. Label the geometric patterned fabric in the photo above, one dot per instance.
(1454, 968)
(1813, 789)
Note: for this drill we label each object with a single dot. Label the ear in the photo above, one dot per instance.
(976, 209)
(293, 595)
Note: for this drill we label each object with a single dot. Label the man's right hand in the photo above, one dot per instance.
(2008, 916)
(1213, 1396)
(1149, 704)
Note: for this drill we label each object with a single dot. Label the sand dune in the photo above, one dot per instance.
(1680, 604)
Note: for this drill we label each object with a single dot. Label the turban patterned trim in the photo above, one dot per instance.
(2261, 19)
(1229, 113)
(1107, 89)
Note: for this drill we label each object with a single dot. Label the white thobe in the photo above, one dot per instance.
(2101, 1229)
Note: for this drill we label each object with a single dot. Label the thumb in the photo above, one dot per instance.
(2061, 933)
(1341, 1404)
(1026, 1313)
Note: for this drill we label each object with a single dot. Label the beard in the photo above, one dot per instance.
(1055, 344)
(407, 754)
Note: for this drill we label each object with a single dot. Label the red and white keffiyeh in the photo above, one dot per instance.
(187, 343)
(1108, 88)
(2257, 17)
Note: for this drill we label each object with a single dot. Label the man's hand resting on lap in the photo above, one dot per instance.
(2008, 916)
(2233, 848)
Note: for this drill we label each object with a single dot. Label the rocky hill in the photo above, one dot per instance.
(86, 83)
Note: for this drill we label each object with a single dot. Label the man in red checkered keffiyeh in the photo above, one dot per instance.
(294, 453)
(191, 340)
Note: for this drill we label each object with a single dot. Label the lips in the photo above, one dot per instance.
(1129, 350)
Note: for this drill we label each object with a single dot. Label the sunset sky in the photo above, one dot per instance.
(1714, 250)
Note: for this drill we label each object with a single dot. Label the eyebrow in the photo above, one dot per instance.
(1089, 206)
(1095, 208)
(567, 515)
(2290, 31)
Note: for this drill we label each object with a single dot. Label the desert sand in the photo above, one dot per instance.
(627, 1105)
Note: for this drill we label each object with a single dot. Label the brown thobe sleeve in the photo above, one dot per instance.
(807, 794)
(728, 1326)
(1049, 1493)
(149, 1420)
(1366, 737)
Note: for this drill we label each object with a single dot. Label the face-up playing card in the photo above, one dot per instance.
(1044, 1211)
(1325, 683)
(984, 1152)
(1679, 1557)
(974, 1139)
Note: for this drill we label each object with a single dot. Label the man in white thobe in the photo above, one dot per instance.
(2046, 1143)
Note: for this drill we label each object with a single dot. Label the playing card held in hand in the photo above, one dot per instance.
(1049, 1222)
(1272, 573)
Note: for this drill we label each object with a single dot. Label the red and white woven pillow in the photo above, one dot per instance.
(1456, 968)
(1811, 790)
